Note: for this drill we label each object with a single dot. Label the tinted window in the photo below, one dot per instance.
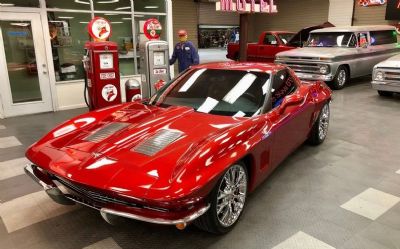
(217, 91)
(285, 38)
(270, 40)
(383, 37)
(330, 39)
(283, 84)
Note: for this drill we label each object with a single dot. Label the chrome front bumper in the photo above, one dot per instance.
(320, 77)
(386, 86)
(58, 196)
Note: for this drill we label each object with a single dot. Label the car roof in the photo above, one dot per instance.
(355, 28)
(242, 66)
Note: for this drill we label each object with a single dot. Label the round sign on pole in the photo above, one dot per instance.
(99, 29)
(152, 29)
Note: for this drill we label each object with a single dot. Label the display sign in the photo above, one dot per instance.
(247, 6)
(367, 3)
(152, 29)
(393, 10)
(106, 61)
(99, 29)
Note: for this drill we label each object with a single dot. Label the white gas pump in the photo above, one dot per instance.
(154, 66)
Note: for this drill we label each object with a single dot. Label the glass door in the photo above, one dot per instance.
(24, 80)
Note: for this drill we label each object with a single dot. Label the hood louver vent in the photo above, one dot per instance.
(157, 142)
(105, 132)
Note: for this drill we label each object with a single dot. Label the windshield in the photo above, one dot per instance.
(216, 91)
(332, 39)
(285, 38)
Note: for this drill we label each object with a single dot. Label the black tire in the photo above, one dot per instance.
(385, 93)
(210, 222)
(316, 138)
(341, 78)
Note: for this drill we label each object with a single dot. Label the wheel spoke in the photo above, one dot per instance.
(231, 195)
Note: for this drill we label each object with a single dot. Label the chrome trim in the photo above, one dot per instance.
(29, 171)
(106, 211)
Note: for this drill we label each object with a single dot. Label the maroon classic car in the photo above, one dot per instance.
(272, 42)
(191, 153)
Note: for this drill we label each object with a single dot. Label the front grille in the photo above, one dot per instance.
(105, 132)
(303, 67)
(392, 74)
(94, 195)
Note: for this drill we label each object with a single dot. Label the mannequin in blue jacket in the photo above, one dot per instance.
(185, 52)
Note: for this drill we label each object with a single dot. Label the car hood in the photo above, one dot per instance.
(391, 62)
(114, 162)
(317, 52)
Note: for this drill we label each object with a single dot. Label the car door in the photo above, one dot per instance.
(268, 49)
(291, 123)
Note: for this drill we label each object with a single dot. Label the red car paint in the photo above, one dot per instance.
(179, 177)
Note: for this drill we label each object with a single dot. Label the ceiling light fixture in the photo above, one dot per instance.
(66, 17)
(151, 7)
(21, 24)
(7, 4)
(108, 1)
(117, 22)
(123, 8)
(82, 2)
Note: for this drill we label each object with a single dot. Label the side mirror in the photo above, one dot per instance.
(290, 101)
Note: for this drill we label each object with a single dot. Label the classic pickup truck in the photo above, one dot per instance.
(272, 42)
(335, 55)
(386, 76)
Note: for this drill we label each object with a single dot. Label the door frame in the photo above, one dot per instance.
(47, 45)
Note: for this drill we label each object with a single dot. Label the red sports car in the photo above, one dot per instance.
(191, 153)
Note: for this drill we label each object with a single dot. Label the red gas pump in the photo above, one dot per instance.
(102, 66)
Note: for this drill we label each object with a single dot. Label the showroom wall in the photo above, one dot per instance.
(341, 12)
(292, 16)
(217, 18)
(185, 16)
(372, 15)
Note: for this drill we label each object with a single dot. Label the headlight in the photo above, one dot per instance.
(379, 76)
(324, 69)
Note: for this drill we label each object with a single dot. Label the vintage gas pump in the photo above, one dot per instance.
(154, 65)
(101, 66)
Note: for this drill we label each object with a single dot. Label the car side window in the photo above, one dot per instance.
(270, 39)
(283, 85)
(362, 40)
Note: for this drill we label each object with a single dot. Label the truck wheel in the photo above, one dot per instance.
(227, 201)
(341, 78)
(385, 93)
(320, 129)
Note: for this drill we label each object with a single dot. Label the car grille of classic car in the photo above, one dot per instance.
(390, 74)
(297, 65)
(95, 198)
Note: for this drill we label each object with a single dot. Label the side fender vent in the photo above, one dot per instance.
(105, 132)
(157, 142)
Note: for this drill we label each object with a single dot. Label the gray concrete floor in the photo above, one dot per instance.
(302, 197)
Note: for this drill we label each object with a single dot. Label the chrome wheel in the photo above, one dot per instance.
(323, 122)
(231, 195)
(342, 77)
